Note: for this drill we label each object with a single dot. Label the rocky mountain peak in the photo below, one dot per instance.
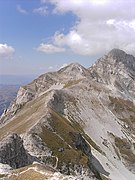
(117, 69)
(74, 67)
(119, 56)
(116, 53)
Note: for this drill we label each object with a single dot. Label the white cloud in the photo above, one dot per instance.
(63, 65)
(21, 10)
(50, 48)
(53, 68)
(6, 51)
(41, 10)
(50, 67)
(99, 27)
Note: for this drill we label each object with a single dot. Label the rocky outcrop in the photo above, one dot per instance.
(23, 96)
(81, 144)
(12, 152)
(94, 165)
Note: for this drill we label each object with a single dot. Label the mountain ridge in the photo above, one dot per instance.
(78, 120)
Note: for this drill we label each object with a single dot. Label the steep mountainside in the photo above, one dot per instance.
(78, 121)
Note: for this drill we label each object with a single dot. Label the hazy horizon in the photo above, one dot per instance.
(16, 79)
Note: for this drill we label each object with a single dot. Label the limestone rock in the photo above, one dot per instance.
(13, 153)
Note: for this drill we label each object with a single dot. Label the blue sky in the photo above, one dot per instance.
(37, 36)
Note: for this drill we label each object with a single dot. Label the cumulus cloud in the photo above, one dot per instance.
(6, 51)
(101, 25)
(21, 10)
(50, 48)
(41, 10)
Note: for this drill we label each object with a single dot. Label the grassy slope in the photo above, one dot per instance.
(60, 138)
(26, 118)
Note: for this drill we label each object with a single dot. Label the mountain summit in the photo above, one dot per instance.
(74, 69)
(117, 53)
(119, 56)
(116, 69)
(77, 123)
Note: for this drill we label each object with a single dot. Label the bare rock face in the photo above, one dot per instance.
(81, 144)
(117, 69)
(12, 152)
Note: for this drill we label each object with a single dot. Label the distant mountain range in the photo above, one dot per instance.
(16, 79)
(7, 95)
(9, 85)
(76, 124)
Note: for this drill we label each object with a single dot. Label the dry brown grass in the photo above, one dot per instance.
(26, 118)
(124, 110)
(120, 105)
(60, 138)
(125, 149)
(71, 83)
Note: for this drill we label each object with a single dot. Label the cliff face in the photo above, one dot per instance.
(12, 152)
(79, 121)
